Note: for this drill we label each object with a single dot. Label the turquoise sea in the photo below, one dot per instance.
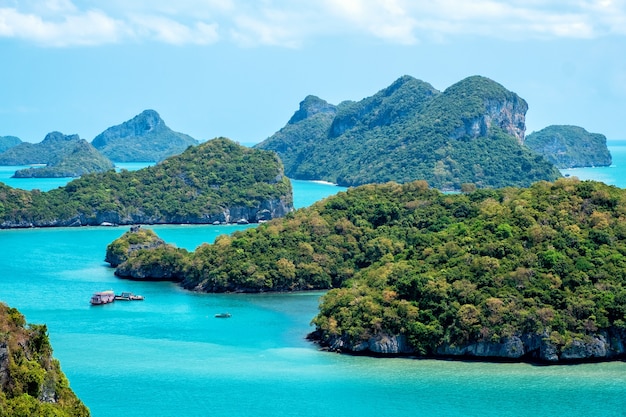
(169, 356)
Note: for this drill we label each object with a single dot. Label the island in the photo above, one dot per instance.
(58, 155)
(31, 380)
(570, 146)
(471, 133)
(518, 274)
(144, 138)
(218, 181)
(7, 142)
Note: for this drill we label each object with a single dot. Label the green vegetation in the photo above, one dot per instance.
(202, 185)
(570, 146)
(63, 155)
(440, 269)
(7, 142)
(470, 133)
(82, 159)
(31, 380)
(144, 138)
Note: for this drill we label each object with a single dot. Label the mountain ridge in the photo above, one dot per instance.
(472, 132)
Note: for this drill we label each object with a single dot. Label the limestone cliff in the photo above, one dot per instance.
(470, 133)
(605, 345)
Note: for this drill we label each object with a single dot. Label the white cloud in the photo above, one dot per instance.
(88, 28)
(292, 23)
(170, 31)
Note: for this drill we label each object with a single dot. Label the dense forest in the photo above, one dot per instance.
(438, 269)
(570, 146)
(31, 380)
(470, 133)
(218, 181)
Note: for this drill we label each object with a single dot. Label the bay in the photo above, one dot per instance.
(169, 355)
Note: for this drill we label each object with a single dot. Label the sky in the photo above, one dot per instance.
(239, 68)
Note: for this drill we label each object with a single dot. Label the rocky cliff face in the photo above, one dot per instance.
(508, 115)
(267, 210)
(311, 106)
(604, 345)
(470, 133)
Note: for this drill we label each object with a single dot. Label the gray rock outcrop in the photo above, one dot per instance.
(605, 345)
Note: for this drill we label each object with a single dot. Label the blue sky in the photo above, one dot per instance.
(239, 68)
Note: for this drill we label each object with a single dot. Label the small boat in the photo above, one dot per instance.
(222, 315)
(129, 296)
(102, 297)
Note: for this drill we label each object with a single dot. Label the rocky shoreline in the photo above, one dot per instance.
(537, 348)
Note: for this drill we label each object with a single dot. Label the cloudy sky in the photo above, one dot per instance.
(239, 68)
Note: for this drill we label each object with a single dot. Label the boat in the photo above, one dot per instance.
(128, 296)
(222, 315)
(102, 297)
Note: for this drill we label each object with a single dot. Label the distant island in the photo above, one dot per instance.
(62, 156)
(144, 138)
(7, 142)
(570, 146)
(472, 133)
(531, 274)
(216, 182)
(31, 380)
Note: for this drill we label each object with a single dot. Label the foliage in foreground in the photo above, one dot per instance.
(31, 380)
(438, 268)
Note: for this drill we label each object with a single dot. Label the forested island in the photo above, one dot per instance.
(31, 380)
(216, 182)
(473, 132)
(514, 273)
(143, 138)
(570, 146)
(62, 156)
(7, 142)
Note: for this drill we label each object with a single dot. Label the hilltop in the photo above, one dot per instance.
(143, 138)
(217, 181)
(471, 133)
(570, 146)
(7, 142)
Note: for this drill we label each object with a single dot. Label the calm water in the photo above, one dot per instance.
(169, 356)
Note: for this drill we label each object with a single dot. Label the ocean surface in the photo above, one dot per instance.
(169, 355)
